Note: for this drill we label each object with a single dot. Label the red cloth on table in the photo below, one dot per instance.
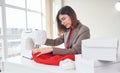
(51, 59)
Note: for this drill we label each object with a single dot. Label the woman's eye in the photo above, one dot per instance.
(63, 18)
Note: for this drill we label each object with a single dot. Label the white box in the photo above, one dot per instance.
(100, 49)
(91, 66)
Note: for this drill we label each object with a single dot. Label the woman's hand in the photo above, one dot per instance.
(43, 50)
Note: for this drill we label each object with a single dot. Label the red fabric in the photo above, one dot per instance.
(51, 59)
(68, 41)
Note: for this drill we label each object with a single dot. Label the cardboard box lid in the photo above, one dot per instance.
(98, 43)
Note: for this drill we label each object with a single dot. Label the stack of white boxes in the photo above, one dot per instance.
(99, 56)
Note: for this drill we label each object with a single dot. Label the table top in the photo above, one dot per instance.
(19, 60)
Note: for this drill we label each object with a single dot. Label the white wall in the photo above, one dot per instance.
(99, 15)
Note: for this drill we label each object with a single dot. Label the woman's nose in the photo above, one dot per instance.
(63, 22)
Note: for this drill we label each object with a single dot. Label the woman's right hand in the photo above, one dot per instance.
(43, 50)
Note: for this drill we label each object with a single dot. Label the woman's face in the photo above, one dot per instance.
(65, 20)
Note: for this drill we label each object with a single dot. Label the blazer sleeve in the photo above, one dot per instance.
(55, 42)
(84, 33)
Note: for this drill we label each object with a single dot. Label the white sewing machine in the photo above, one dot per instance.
(31, 40)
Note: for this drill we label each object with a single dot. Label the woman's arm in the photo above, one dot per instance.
(49, 43)
(55, 42)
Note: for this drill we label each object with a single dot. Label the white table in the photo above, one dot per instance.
(19, 64)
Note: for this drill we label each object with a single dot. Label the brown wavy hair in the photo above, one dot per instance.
(70, 12)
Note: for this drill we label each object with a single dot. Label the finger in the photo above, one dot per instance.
(38, 54)
(35, 50)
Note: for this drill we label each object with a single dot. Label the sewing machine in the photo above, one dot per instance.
(31, 40)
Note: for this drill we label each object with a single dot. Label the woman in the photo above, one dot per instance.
(71, 33)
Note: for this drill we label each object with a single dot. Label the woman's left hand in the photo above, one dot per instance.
(43, 50)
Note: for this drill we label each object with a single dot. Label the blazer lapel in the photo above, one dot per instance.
(75, 35)
(66, 35)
